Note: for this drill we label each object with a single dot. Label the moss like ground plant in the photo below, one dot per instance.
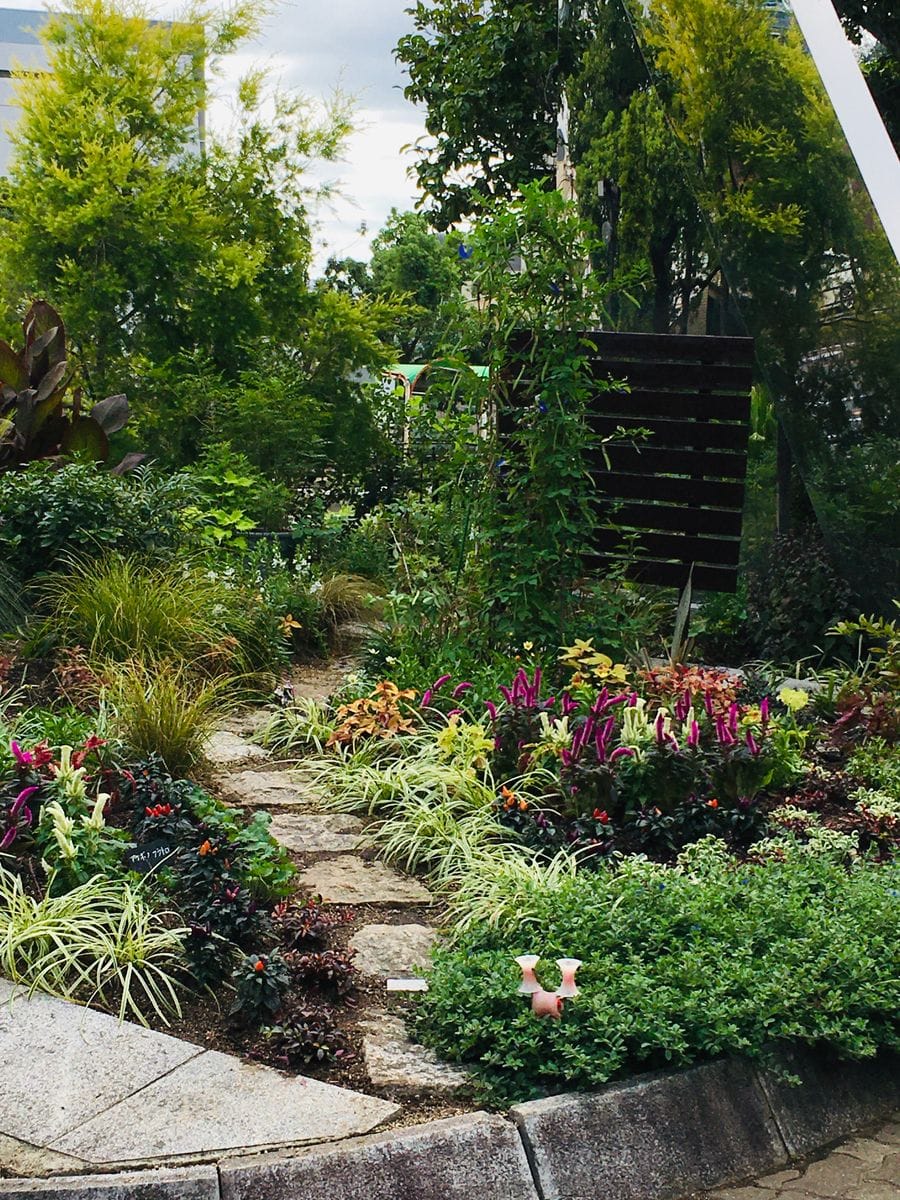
(711, 958)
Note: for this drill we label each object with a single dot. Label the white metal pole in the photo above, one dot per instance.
(860, 119)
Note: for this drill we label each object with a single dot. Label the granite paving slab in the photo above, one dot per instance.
(401, 1067)
(392, 950)
(268, 789)
(317, 833)
(352, 880)
(216, 1104)
(227, 749)
(62, 1064)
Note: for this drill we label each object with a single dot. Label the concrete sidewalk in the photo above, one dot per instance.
(80, 1089)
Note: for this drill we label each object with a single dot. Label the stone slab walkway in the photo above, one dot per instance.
(78, 1083)
(863, 1168)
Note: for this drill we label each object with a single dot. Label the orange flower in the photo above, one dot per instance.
(713, 803)
(523, 804)
(205, 849)
(602, 816)
(259, 965)
(509, 797)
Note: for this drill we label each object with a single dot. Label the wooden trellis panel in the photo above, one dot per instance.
(679, 491)
(682, 487)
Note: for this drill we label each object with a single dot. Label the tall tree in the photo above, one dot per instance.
(487, 73)
(148, 245)
(409, 259)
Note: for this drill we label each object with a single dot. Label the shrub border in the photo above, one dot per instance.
(654, 1137)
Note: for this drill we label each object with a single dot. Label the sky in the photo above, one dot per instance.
(314, 47)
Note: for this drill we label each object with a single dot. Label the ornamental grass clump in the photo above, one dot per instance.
(100, 943)
(679, 965)
(163, 709)
(119, 607)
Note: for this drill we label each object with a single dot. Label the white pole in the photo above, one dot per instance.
(860, 119)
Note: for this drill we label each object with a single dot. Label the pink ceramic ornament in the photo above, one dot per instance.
(568, 967)
(529, 984)
(546, 1004)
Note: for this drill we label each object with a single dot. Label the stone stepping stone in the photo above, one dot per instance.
(401, 1067)
(216, 1104)
(268, 789)
(249, 723)
(351, 880)
(313, 833)
(392, 950)
(227, 749)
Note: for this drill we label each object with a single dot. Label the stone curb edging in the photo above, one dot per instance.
(655, 1137)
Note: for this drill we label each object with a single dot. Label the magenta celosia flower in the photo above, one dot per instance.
(621, 752)
(752, 744)
(439, 683)
(426, 698)
(459, 689)
(492, 709)
(694, 736)
(23, 757)
(764, 710)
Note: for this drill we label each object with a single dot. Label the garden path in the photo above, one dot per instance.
(333, 861)
(862, 1168)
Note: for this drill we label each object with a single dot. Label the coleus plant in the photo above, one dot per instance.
(40, 417)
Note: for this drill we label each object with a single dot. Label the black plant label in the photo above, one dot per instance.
(147, 857)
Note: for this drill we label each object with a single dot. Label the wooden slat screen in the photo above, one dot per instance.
(679, 492)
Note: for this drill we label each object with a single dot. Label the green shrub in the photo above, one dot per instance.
(712, 958)
(48, 513)
(794, 598)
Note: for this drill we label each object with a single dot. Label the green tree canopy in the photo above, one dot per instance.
(486, 72)
(147, 244)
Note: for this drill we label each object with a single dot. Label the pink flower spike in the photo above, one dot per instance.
(600, 703)
(427, 697)
(566, 758)
(621, 752)
(660, 718)
(752, 744)
(568, 704)
(708, 704)
(23, 757)
(694, 736)
(8, 838)
(764, 710)
(19, 803)
(459, 689)
(506, 694)
(439, 683)
(492, 709)
(454, 712)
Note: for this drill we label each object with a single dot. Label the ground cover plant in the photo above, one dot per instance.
(712, 957)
